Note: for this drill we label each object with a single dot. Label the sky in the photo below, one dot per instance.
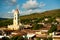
(26, 6)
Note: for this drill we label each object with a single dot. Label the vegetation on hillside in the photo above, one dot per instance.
(35, 18)
(53, 28)
(4, 23)
(51, 13)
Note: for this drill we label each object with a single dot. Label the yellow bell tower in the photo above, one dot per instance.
(16, 25)
(16, 17)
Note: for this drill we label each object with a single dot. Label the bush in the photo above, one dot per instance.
(53, 28)
(49, 38)
(5, 38)
(17, 38)
(37, 26)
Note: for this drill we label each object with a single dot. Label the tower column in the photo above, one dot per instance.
(16, 17)
(15, 25)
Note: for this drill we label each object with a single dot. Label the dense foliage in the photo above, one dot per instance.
(18, 38)
(5, 38)
(6, 22)
(37, 26)
(34, 18)
(51, 13)
(53, 28)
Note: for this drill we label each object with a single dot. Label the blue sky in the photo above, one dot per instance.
(26, 6)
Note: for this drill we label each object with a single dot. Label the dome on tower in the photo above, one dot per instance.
(16, 11)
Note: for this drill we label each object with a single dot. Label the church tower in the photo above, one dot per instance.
(16, 25)
(16, 17)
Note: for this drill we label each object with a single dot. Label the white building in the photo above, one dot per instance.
(16, 25)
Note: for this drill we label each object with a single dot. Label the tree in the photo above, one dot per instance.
(50, 38)
(14, 37)
(37, 38)
(53, 28)
(37, 26)
(20, 38)
(17, 38)
(5, 38)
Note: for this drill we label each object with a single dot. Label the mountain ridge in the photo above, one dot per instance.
(53, 13)
(27, 18)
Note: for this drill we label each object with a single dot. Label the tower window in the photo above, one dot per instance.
(15, 17)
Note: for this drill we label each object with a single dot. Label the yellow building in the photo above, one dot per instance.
(16, 24)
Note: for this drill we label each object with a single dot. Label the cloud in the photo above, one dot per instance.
(11, 11)
(27, 12)
(13, 0)
(8, 15)
(42, 4)
(32, 4)
(8, 2)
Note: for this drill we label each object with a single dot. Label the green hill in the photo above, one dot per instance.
(27, 18)
(50, 13)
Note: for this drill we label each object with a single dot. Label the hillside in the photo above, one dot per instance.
(3, 18)
(51, 13)
(35, 16)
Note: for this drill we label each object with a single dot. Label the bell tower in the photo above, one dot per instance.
(16, 17)
(16, 25)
